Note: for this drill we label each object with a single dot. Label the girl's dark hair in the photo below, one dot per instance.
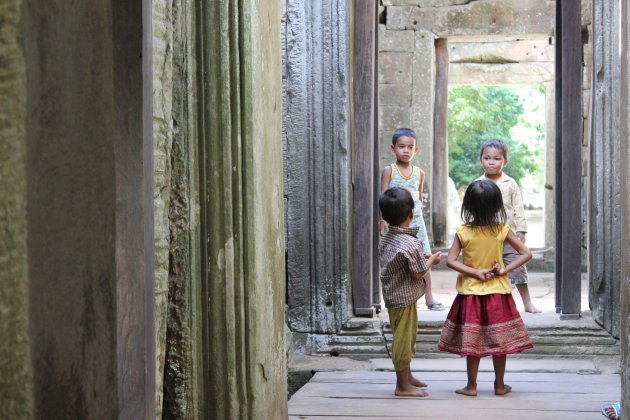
(403, 132)
(495, 144)
(483, 205)
(395, 203)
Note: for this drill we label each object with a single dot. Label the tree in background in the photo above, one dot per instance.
(479, 113)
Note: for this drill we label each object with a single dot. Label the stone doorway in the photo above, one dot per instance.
(425, 47)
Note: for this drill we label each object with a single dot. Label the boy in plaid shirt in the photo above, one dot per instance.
(403, 266)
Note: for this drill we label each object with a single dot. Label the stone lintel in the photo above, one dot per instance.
(425, 3)
(518, 51)
(500, 74)
(482, 17)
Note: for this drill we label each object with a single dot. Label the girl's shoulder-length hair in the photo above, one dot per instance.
(482, 206)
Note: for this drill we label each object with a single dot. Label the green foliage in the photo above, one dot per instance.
(479, 113)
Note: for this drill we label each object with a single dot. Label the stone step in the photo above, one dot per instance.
(538, 332)
(361, 339)
(565, 331)
(543, 349)
(536, 339)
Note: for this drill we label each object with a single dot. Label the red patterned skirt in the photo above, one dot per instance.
(486, 325)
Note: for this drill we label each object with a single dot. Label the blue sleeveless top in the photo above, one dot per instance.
(411, 184)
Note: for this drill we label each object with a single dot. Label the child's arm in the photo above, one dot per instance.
(519, 212)
(521, 248)
(421, 184)
(434, 259)
(386, 177)
(455, 264)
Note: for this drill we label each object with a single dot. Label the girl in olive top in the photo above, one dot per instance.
(483, 320)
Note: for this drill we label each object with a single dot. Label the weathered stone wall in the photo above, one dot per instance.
(243, 368)
(16, 385)
(162, 16)
(472, 18)
(624, 175)
(90, 321)
(176, 213)
(606, 188)
(80, 151)
(406, 95)
(317, 163)
(498, 42)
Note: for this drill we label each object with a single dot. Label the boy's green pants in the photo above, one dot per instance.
(404, 322)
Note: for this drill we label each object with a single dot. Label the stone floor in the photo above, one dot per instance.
(342, 388)
(369, 395)
(541, 288)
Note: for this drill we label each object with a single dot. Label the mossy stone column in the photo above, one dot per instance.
(16, 386)
(606, 241)
(317, 148)
(241, 196)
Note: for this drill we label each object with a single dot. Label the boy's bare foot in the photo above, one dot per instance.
(410, 391)
(417, 382)
(502, 390)
(532, 309)
(468, 391)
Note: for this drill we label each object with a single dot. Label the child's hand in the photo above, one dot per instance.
(485, 274)
(497, 269)
(383, 227)
(433, 259)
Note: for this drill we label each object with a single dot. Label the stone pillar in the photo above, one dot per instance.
(239, 88)
(624, 179)
(16, 384)
(162, 17)
(363, 194)
(550, 168)
(317, 163)
(569, 157)
(439, 202)
(179, 319)
(88, 208)
(605, 237)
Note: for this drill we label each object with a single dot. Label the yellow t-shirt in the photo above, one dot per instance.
(481, 247)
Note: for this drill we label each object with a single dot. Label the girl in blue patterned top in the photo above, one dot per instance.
(405, 175)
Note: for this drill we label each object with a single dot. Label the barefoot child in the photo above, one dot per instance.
(403, 174)
(493, 158)
(403, 265)
(483, 320)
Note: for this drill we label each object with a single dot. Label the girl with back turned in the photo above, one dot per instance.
(483, 320)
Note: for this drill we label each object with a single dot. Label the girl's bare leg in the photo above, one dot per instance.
(527, 300)
(472, 368)
(500, 388)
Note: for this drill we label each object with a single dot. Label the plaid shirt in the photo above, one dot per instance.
(400, 254)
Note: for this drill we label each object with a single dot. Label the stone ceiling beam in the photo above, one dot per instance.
(500, 74)
(522, 51)
(482, 17)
